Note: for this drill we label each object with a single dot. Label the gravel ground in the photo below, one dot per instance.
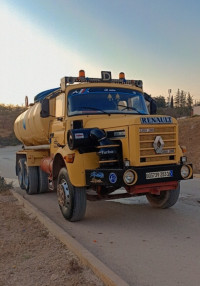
(31, 256)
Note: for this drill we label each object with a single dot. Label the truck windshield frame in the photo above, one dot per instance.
(105, 100)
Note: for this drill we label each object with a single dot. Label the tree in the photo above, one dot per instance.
(182, 99)
(189, 101)
(160, 101)
(177, 98)
(172, 102)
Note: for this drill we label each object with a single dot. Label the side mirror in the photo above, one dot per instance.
(44, 108)
(153, 107)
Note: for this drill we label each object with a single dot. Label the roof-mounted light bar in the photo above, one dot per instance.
(105, 77)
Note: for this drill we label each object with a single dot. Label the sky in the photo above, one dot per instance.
(42, 41)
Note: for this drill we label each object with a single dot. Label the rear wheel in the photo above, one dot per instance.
(72, 200)
(31, 179)
(20, 172)
(165, 200)
(43, 181)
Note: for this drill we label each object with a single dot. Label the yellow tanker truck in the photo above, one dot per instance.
(92, 136)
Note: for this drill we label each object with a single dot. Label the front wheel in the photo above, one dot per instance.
(72, 200)
(165, 200)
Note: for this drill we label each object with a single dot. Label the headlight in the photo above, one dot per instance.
(130, 177)
(185, 171)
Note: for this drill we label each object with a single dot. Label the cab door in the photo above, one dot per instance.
(57, 133)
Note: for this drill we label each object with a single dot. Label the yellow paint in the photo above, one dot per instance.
(34, 157)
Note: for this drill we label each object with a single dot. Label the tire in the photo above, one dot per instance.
(72, 200)
(43, 181)
(165, 200)
(31, 179)
(20, 172)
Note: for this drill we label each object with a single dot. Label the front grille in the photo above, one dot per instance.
(147, 137)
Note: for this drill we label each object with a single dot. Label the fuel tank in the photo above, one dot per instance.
(30, 128)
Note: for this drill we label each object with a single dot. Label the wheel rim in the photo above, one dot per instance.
(63, 194)
(20, 176)
(26, 182)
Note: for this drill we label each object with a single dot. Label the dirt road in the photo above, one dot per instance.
(31, 256)
(144, 246)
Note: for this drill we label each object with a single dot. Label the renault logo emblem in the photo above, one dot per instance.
(158, 144)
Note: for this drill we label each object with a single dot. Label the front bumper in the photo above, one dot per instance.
(114, 177)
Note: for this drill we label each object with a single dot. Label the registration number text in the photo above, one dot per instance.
(160, 174)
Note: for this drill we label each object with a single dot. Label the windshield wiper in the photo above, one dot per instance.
(130, 107)
(94, 108)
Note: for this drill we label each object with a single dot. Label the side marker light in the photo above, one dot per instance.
(69, 158)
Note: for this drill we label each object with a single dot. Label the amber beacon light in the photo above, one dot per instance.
(121, 75)
(81, 73)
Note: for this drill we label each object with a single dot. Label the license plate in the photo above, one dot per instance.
(160, 174)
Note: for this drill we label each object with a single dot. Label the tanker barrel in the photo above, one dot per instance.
(31, 128)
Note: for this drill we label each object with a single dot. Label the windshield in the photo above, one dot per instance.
(100, 100)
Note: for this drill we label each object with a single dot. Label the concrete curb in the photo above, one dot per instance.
(87, 258)
(196, 175)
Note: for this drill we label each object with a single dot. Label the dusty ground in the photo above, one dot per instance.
(30, 256)
(189, 135)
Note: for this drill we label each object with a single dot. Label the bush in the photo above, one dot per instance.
(176, 112)
(8, 115)
(4, 186)
(10, 140)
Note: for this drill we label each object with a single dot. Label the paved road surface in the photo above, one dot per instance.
(145, 246)
(7, 161)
